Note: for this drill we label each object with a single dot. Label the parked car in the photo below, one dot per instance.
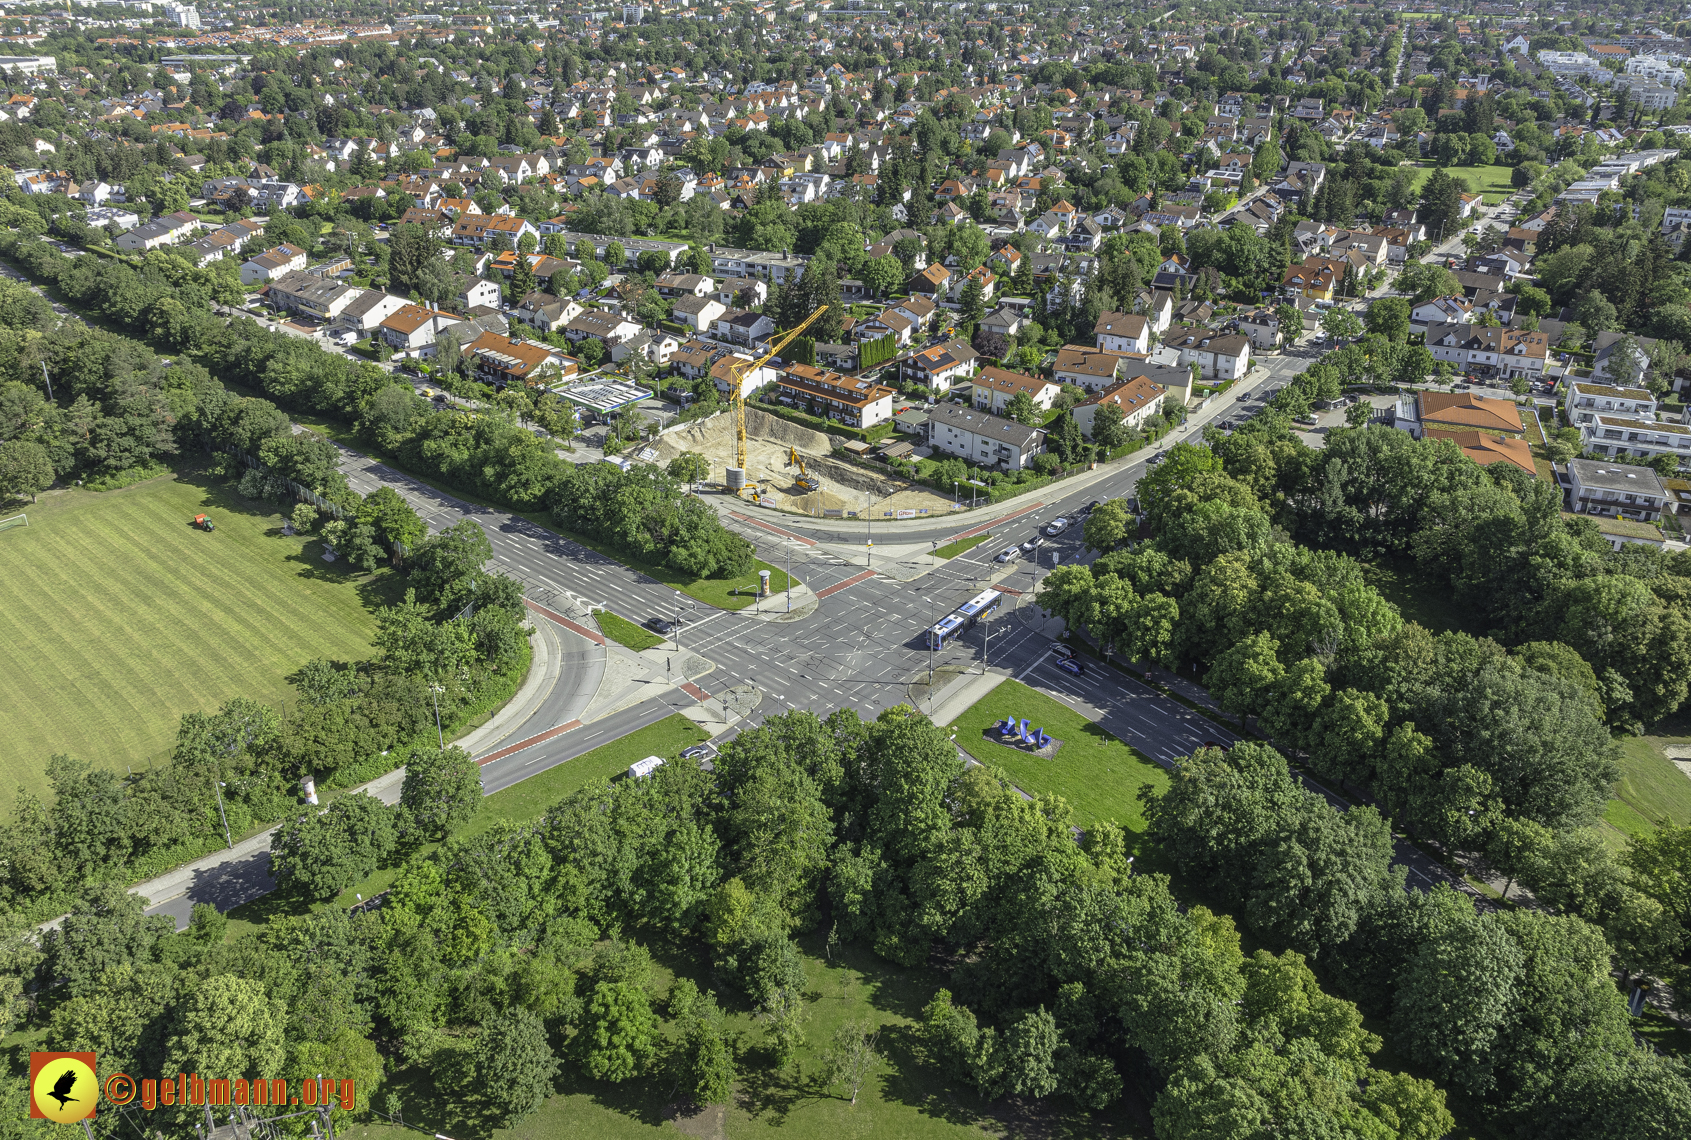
(699, 752)
(1071, 665)
(1058, 526)
(1009, 554)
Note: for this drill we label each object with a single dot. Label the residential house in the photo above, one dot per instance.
(1318, 278)
(1505, 351)
(1457, 411)
(889, 322)
(271, 264)
(366, 309)
(470, 292)
(1122, 332)
(932, 282)
(595, 324)
(1262, 326)
(1138, 397)
(697, 313)
(1218, 356)
(547, 313)
(984, 439)
(994, 388)
(918, 310)
(162, 231)
(504, 360)
(411, 330)
(476, 229)
(1091, 368)
(940, 367)
(313, 295)
(1006, 320)
(738, 326)
(1604, 346)
(1485, 448)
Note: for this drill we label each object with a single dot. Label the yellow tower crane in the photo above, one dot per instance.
(737, 373)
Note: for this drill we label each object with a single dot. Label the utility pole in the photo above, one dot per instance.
(789, 576)
(216, 787)
(869, 527)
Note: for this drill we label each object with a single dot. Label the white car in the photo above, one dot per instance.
(1058, 526)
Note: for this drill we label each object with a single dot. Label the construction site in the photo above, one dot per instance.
(782, 458)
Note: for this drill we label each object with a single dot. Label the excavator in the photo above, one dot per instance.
(737, 372)
(806, 481)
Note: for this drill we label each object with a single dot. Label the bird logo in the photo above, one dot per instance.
(62, 1086)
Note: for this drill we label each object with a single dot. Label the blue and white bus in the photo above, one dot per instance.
(947, 627)
(984, 604)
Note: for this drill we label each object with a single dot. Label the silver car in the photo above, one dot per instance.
(1058, 526)
(1009, 554)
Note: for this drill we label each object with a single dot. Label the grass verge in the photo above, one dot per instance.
(120, 617)
(624, 632)
(961, 546)
(1651, 792)
(1095, 772)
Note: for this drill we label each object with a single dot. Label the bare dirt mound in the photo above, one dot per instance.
(770, 443)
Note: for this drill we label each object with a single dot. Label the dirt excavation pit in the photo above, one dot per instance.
(770, 442)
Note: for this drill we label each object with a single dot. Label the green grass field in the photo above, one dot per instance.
(624, 632)
(120, 617)
(1096, 773)
(953, 549)
(1493, 182)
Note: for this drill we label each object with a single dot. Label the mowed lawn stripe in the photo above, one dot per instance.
(120, 617)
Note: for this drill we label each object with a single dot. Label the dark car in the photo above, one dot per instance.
(1092, 506)
(1071, 665)
(1062, 651)
(664, 625)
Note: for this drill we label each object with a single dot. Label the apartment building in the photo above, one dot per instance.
(1616, 435)
(853, 402)
(1584, 402)
(1615, 490)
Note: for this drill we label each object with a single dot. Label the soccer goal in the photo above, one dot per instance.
(15, 520)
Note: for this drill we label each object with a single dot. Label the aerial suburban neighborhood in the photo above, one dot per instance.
(985, 568)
